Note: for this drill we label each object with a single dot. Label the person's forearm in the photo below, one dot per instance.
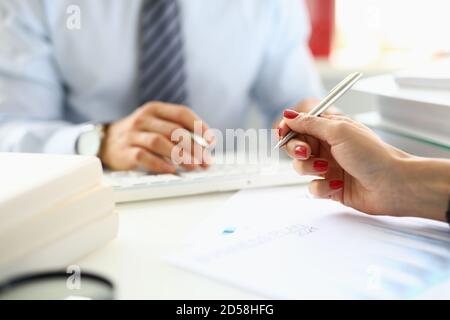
(427, 189)
(39, 136)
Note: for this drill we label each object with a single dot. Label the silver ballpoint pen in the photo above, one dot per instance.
(335, 94)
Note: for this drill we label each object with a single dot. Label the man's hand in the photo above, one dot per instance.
(143, 139)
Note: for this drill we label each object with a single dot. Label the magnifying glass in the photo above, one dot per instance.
(54, 286)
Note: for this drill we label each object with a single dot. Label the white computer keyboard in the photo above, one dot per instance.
(136, 185)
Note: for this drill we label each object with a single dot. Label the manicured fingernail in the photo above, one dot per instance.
(301, 152)
(336, 184)
(279, 132)
(320, 165)
(290, 114)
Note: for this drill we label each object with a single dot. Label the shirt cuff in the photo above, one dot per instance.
(63, 141)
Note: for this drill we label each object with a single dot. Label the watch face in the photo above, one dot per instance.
(89, 143)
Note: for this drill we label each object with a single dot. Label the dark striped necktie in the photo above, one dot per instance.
(162, 74)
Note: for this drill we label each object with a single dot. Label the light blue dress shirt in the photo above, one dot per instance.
(67, 62)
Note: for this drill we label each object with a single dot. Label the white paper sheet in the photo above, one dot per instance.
(280, 244)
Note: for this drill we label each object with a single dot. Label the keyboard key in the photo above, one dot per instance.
(168, 177)
(138, 185)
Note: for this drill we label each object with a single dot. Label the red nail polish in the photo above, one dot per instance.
(279, 132)
(336, 184)
(320, 165)
(290, 114)
(301, 152)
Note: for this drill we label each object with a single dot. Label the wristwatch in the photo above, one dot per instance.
(90, 140)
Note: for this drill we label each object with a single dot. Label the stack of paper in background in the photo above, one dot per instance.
(53, 211)
(413, 109)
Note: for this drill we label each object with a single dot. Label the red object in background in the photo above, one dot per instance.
(322, 16)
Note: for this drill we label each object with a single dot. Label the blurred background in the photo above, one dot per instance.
(375, 37)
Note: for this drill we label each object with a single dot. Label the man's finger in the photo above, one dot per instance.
(182, 116)
(194, 151)
(161, 126)
(150, 162)
(153, 142)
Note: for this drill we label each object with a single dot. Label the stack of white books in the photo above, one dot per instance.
(413, 111)
(53, 211)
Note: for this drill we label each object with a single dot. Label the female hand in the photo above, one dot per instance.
(363, 172)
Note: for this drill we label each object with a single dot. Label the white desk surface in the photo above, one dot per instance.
(147, 232)
(150, 230)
